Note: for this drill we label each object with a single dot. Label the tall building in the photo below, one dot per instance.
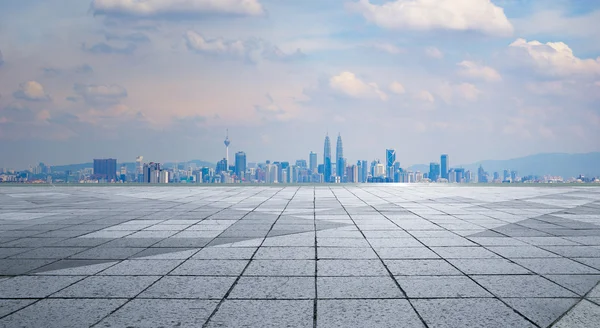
(390, 156)
(506, 175)
(444, 166)
(339, 158)
(379, 170)
(312, 159)
(460, 175)
(301, 163)
(240, 164)
(482, 176)
(151, 172)
(327, 160)
(105, 169)
(434, 171)
(222, 166)
(227, 142)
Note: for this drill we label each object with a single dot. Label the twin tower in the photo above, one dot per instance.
(340, 162)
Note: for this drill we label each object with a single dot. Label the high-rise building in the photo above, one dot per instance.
(506, 175)
(301, 163)
(460, 175)
(240, 164)
(151, 172)
(312, 159)
(444, 166)
(327, 160)
(390, 157)
(105, 169)
(482, 176)
(379, 170)
(339, 158)
(352, 174)
(222, 166)
(434, 171)
(227, 142)
(513, 176)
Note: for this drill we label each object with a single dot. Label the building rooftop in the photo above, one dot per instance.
(309, 256)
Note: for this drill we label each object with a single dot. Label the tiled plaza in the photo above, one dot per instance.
(309, 256)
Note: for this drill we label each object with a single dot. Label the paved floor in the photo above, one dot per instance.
(339, 256)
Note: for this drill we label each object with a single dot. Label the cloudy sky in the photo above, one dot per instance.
(477, 79)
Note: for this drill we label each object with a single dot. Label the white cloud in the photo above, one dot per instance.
(554, 59)
(100, 94)
(350, 85)
(155, 8)
(388, 47)
(478, 71)
(1, 58)
(466, 91)
(397, 88)
(462, 15)
(425, 96)
(32, 91)
(253, 50)
(434, 52)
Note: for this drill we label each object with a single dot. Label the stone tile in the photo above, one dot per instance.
(13, 267)
(107, 253)
(141, 268)
(281, 268)
(556, 266)
(285, 253)
(488, 266)
(274, 288)
(150, 313)
(421, 268)
(580, 284)
(34, 286)
(357, 287)
(464, 252)
(542, 311)
(107, 287)
(264, 313)
(160, 253)
(192, 287)
(440, 287)
(74, 267)
(350, 268)
(342, 242)
(62, 313)
(218, 253)
(584, 314)
(468, 312)
(9, 306)
(366, 313)
(522, 286)
(345, 253)
(210, 268)
(516, 252)
(405, 253)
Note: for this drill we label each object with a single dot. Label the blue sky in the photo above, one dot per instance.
(477, 79)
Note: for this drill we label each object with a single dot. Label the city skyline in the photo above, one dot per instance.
(521, 79)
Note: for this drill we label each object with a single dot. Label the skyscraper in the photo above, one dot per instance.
(221, 166)
(327, 160)
(434, 171)
(105, 169)
(227, 142)
(240, 164)
(312, 158)
(390, 156)
(340, 164)
(444, 162)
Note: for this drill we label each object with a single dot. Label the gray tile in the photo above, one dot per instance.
(357, 287)
(285, 253)
(515, 252)
(421, 268)
(150, 313)
(107, 253)
(74, 267)
(274, 288)
(339, 268)
(62, 313)
(406, 253)
(281, 268)
(522, 286)
(488, 266)
(219, 253)
(556, 266)
(366, 313)
(13, 267)
(580, 283)
(107, 287)
(468, 312)
(264, 313)
(542, 311)
(345, 253)
(440, 287)
(141, 268)
(584, 314)
(34, 286)
(464, 252)
(189, 287)
(9, 306)
(210, 268)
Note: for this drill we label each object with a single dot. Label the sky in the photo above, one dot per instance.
(165, 79)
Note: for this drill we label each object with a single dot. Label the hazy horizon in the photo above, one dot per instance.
(477, 80)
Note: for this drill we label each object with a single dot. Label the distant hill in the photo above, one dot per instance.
(562, 164)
